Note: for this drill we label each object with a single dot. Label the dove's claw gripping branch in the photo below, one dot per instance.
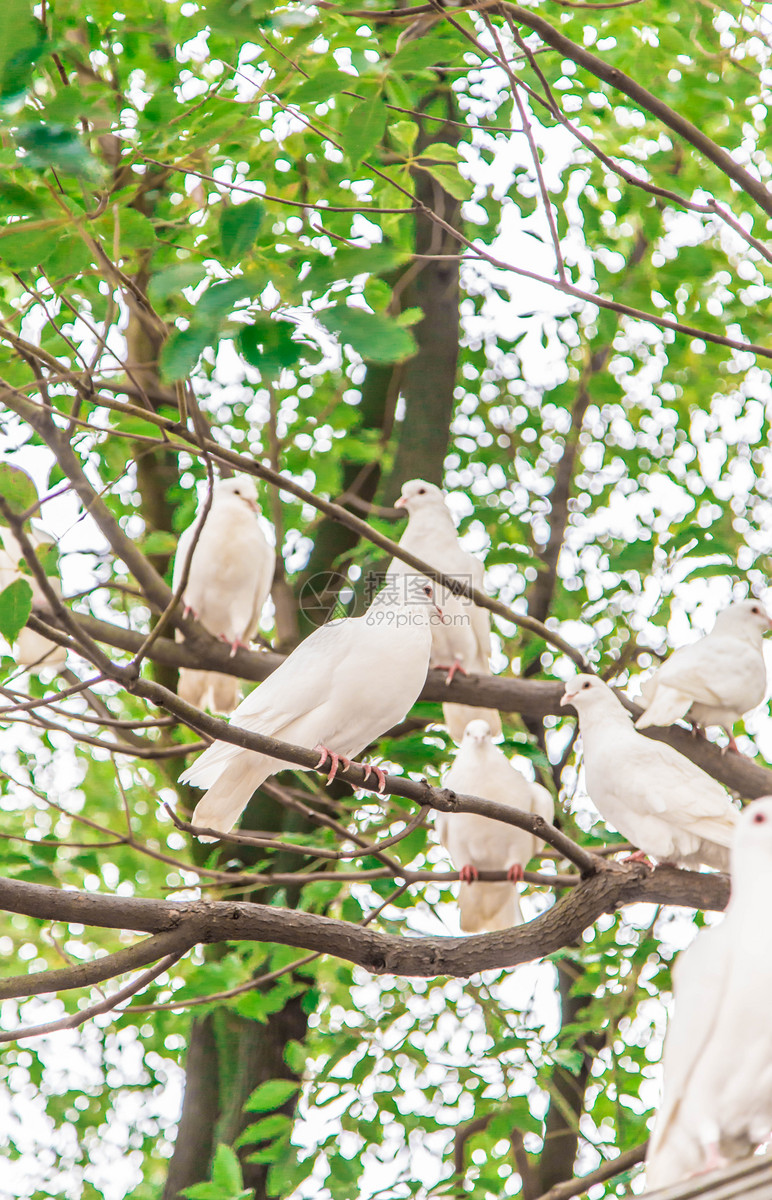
(516, 874)
(469, 874)
(335, 761)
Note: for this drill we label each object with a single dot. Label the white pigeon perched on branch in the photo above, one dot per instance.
(339, 690)
(656, 798)
(717, 1087)
(229, 580)
(715, 680)
(462, 642)
(33, 651)
(477, 843)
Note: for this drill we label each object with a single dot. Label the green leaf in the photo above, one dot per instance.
(183, 349)
(404, 133)
(441, 152)
(21, 45)
(23, 248)
(17, 489)
(320, 87)
(220, 299)
(448, 177)
(364, 128)
(15, 608)
(58, 147)
(377, 337)
(226, 1169)
(158, 541)
(271, 1095)
(239, 226)
(172, 280)
(270, 1127)
(268, 345)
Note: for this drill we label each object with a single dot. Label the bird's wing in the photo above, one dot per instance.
(302, 683)
(542, 803)
(480, 618)
(690, 791)
(265, 568)
(699, 978)
(704, 673)
(181, 554)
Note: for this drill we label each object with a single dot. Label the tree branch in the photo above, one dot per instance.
(203, 922)
(581, 1184)
(87, 974)
(85, 1014)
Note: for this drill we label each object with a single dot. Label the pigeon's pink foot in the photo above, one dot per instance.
(698, 731)
(234, 643)
(454, 669)
(335, 761)
(469, 874)
(370, 769)
(640, 857)
(732, 745)
(187, 610)
(516, 874)
(714, 1159)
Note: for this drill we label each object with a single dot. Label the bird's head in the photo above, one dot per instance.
(477, 733)
(241, 486)
(418, 495)
(754, 831)
(747, 617)
(429, 592)
(584, 692)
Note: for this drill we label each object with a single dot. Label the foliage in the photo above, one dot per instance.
(213, 223)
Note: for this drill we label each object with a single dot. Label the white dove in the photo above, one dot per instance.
(463, 641)
(656, 798)
(339, 690)
(717, 1090)
(230, 576)
(33, 651)
(477, 843)
(716, 679)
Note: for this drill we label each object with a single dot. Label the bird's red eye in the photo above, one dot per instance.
(759, 819)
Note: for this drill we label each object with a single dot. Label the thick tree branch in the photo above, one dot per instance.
(203, 922)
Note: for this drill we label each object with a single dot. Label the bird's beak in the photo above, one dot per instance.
(769, 623)
(400, 503)
(250, 503)
(566, 699)
(438, 610)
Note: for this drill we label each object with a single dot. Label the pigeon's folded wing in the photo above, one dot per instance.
(693, 674)
(699, 978)
(301, 684)
(480, 618)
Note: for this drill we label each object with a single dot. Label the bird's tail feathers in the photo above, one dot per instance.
(458, 716)
(222, 805)
(668, 705)
(488, 906)
(209, 689)
(671, 1158)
